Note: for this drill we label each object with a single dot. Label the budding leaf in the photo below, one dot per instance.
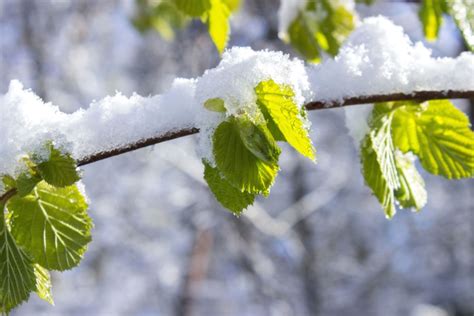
(229, 196)
(258, 139)
(277, 104)
(239, 165)
(215, 105)
(431, 16)
(52, 225)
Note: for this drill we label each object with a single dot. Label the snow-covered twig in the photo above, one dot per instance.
(314, 105)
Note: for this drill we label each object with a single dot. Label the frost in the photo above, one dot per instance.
(378, 58)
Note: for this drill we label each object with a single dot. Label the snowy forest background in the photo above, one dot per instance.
(320, 245)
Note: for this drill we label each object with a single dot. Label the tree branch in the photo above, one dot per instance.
(315, 105)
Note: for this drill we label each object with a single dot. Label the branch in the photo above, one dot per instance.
(315, 105)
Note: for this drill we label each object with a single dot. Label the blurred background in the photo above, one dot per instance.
(319, 245)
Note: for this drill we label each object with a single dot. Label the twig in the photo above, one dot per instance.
(315, 105)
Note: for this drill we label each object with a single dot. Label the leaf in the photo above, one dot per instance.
(322, 26)
(411, 192)
(26, 182)
(237, 164)
(43, 284)
(52, 225)
(431, 16)
(229, 196)
(17, 277)
(439, 134)
(258, 139)
(215, 105)
(375, 178)
(462, 12)
(194, 8)
(233, 5)
(276, 102)
(163, 17)
(218, 24)
(302, 38)
(59, 170)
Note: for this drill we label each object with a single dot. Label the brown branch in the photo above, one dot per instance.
(315, 105)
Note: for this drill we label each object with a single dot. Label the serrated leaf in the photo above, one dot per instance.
(218, 24)
(43, 284)
(277, 101)
(439, 134)
(26, 182)
(215, 105)
(431, 16)
(17, 277)
(411, 192)
(237, 164)
(258, 139)
(375, 179)
(462, 12)
(59, 170)
(52, 225)
(194, 8)
(229, 196)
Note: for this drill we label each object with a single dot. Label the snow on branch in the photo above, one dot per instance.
(378, 63)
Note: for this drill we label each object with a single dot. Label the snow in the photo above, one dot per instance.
(378, 58)
(234, 81)
(27, 123)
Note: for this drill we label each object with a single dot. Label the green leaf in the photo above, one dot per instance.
(194, 8)
(258, 139)
(411, 192)
(163, 17)
(322, 26)
(302, 38)
(237, 164)
(43, 284)
(233, 5)
(17, 278)
(218, 24)
(26, 182)
(52, 225)
(229, 196)
(59, 170)
(431, 16)
(215, 105)
(378, 158)
(277, 104)
(462, 12)
(439, 134)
